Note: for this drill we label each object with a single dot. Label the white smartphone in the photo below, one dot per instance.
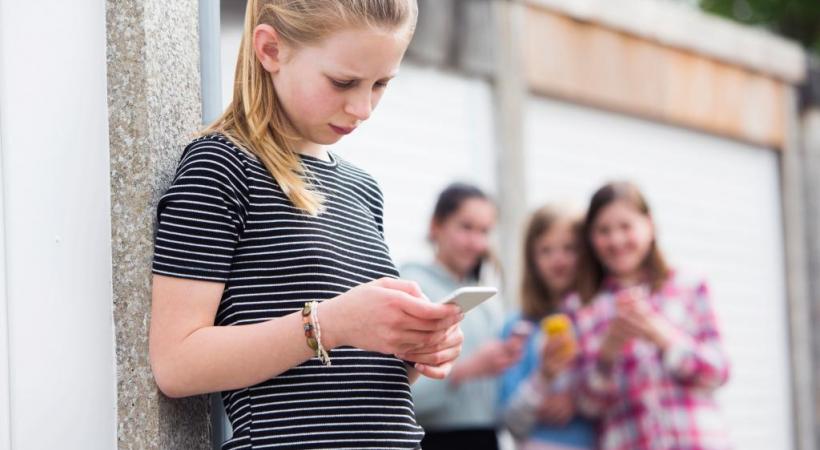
(469, 297)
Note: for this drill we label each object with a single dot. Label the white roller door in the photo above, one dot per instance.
(431, 128)
(718, 209)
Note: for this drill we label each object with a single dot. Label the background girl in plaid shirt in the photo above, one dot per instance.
(650, 352)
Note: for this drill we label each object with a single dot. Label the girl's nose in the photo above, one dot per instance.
(360, 106)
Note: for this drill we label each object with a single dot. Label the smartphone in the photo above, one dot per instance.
(469, 297)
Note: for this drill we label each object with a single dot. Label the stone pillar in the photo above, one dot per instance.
(510, 91)
(154, 109)
(810, 157)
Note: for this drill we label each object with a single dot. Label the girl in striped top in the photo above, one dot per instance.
(270, 248)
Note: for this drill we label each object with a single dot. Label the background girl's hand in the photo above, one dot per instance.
(621, 330)
(557, 355)
(491, 359)
(387, 316)
(652, 325)
(496, 356)
(556, 409)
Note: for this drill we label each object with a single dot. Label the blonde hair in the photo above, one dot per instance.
(255, 118)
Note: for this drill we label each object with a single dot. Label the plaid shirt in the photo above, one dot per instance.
(649, 399)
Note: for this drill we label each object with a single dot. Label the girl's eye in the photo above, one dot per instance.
(380, 85)
(342, 84)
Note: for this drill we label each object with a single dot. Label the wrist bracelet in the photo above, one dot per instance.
(307, 326)
(313, 332)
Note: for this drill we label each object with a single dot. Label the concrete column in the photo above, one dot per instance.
(154, 109)
(510, 102)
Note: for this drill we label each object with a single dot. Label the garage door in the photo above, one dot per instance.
(431, 128)
(717, 206)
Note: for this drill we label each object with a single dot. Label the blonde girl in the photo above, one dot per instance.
(272, 281)
(537, 394)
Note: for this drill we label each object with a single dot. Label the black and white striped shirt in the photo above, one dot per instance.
(224, 218)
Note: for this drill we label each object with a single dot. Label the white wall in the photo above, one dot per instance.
(717, 206)
(5, 403)
(56, 218)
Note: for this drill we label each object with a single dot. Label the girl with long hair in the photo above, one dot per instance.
(459, 411)
(272, 280)
(651, 353)
(538, 394)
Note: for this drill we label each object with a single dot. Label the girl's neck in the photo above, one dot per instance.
(556, 296)
(452, 272)
(312, 149)
(631, 279)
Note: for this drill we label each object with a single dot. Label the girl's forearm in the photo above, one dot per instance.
(219, 358)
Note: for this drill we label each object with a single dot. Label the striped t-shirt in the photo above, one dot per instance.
(224, 218)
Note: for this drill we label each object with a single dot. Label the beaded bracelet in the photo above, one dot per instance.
(308, 327)
(313, 332)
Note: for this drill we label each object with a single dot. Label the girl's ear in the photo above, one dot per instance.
(268, 47)
(432, 232)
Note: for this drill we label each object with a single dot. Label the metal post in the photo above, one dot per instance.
(210, 70)
(209, 59)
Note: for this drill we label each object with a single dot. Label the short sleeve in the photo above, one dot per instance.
(377, 206)
(201, 215)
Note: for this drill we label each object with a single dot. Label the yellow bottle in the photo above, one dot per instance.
(556, 325)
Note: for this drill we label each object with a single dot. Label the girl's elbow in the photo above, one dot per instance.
(169, 389)
(166, 379)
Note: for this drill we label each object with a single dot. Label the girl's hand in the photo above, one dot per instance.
(387, 316)
(626, 325)
(556, 409)
(620, 331)
(496, 356)
(557, 355)
(436, 361)
(491, 359)
(652, 325)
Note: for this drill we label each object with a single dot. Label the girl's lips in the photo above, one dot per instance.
(342, 130)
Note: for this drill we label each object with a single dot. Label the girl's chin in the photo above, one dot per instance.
(467, 266)
(622, 268)
(560, 286)
(327, 139)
